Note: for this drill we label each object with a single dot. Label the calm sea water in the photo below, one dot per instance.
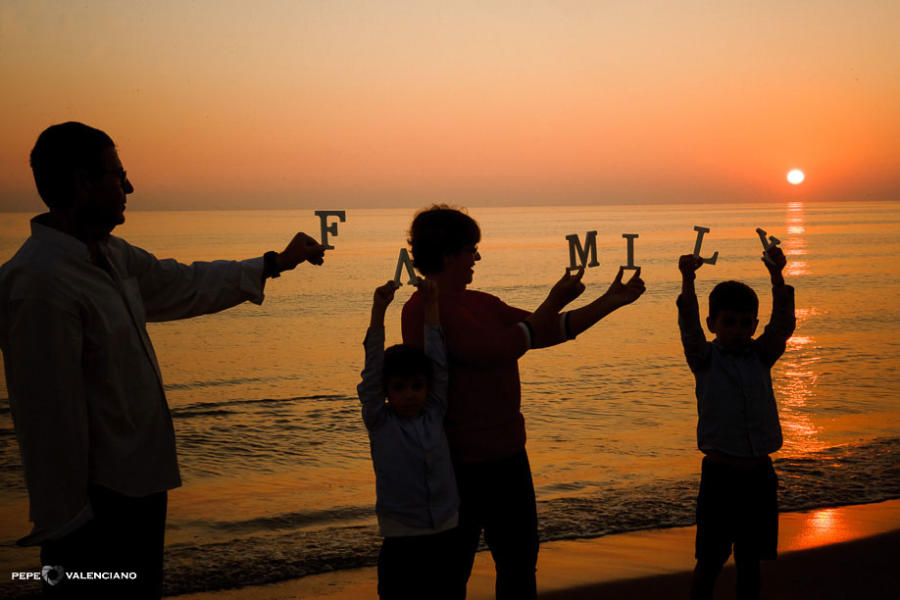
(274, 456)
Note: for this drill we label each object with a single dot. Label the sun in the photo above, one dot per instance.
(795, 176)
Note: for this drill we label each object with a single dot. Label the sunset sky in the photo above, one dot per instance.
(375, 104)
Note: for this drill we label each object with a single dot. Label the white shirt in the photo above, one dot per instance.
(737, 413)
(415, 489)
(85, 390)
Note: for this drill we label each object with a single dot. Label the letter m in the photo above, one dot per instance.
(590, 245)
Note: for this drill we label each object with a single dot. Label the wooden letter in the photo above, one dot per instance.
(630, 237)
(404, 261)
(590, 245)
(700, 231)
(772, 241)
(332, 229)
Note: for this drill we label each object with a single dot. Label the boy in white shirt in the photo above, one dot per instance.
(404, 399)
(738, 425)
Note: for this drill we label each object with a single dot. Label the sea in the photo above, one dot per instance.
(277, 477)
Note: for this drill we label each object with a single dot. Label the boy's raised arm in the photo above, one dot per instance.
(782, 322)
(382, 297)
(371, 388)
(692, 338)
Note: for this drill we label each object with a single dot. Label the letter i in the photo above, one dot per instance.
(630, 237)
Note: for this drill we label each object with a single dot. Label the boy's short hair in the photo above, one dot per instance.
(437, 231)
(406, 361)
(732, 295)
(60, 149)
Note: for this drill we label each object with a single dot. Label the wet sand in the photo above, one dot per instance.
(845, 552)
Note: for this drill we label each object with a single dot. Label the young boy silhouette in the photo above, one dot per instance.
(738, 424)
(415, 486)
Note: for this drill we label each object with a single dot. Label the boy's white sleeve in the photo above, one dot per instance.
(693, 340)
(436, 350)
(781, 325)
(371, 388)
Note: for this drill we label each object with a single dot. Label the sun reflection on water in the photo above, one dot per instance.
(795, 245)
(797, 378)
(795, 390)
(822, 527)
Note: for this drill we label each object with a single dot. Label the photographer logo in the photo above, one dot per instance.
(52, 575)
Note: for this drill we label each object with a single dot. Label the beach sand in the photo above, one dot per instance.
(844, 552)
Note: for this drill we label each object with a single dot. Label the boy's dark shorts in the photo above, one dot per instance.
(737, 504)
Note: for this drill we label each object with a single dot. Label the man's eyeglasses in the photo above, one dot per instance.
(121, 173)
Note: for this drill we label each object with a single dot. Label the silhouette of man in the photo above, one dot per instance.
(86, 394)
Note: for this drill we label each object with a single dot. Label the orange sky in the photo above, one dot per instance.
(349, 104)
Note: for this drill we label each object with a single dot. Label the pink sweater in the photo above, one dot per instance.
(484, 342)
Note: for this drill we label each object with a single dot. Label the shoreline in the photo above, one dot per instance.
(821, 551)
(860, 568)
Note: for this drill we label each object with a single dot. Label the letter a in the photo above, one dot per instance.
(590, 245)
(404, 261)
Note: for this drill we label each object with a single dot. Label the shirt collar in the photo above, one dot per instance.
(742, 351)
(68, 244)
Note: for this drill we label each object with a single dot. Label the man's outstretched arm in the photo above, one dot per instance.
(172, 290)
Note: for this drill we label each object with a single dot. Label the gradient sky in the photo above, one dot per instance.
(347, 104)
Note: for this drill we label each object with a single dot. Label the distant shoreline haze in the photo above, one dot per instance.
(35, 206)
